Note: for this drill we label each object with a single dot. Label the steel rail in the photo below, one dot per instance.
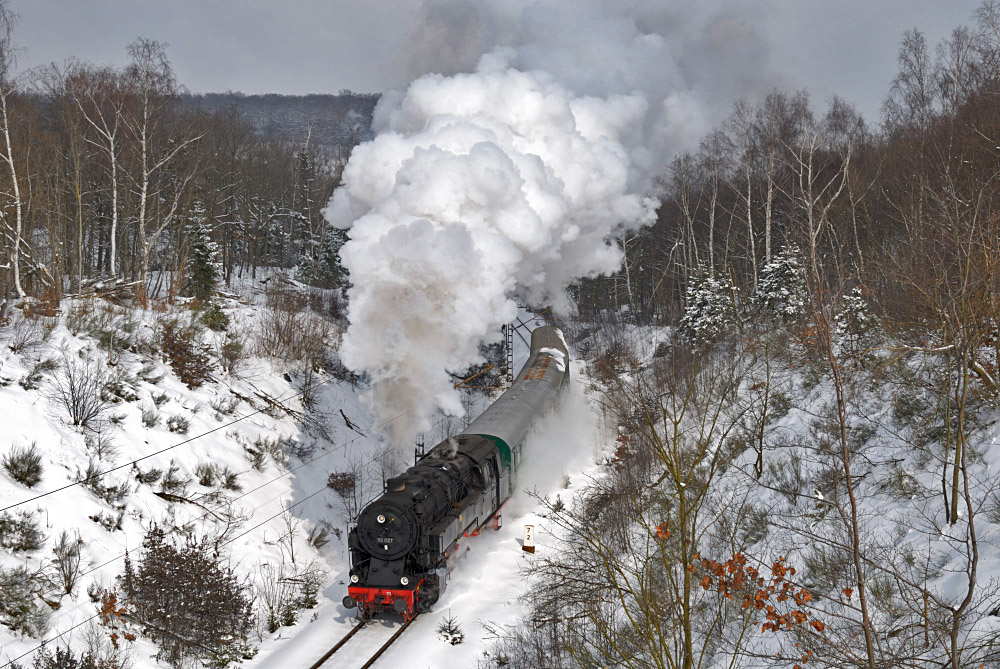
(388, 643)
(345, 639)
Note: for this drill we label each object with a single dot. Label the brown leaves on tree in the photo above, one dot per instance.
(780, 601)
(113, 618)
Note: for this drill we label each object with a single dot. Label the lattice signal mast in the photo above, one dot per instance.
(508, 343)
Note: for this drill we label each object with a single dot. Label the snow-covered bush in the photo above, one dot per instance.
(324, 270)
(68, 551)
(233, 351)
(24, 465)
(283, 591)
(20, 609)
(187, 355)
(173, 483)
(213, 317)
(179, 424)
(782, 287)
(293, 336)
(854, 317)
(150, 417)
(79, 389)
(20, 532)
(93, 480)
(450, 630)
(189, 602)
(213, 475)
(33, 379)
(25, 333)
(64, 658)
(708, 309)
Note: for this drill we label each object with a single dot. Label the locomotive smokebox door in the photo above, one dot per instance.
(529, 539)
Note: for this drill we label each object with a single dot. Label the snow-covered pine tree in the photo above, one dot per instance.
(325, 270)
(203, 268)
(708, 308)
(782, 287)
(854, 318)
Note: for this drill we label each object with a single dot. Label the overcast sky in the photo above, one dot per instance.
(846, 47)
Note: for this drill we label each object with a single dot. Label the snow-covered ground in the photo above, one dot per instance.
(279, 503)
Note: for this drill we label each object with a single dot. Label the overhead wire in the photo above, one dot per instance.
(134, 461)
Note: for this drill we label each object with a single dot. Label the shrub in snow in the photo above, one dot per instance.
(782, 286)
(178, 424)
(275, 596)
(20, 609)
(205, 473)
(99, 442)
(64, 658)
(20, 532)
(150, 476)
(188, 602)
(450, 630)
(209, 475)
(25, 333)
(68, 551)
(233, 353)
(24, 465)
(33, 379)
(150, 417)
(289, 330)
(79, 389)
(224, 406)
(854, 318)
(214, 317)
(187, 355)
(173, 483)
(708, 309)
(110, 522)
(93, 480)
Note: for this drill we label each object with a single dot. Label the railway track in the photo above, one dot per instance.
(350, 635)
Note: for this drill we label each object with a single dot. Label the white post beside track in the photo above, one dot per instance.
(529, 539)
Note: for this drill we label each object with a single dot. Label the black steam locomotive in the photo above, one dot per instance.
(402, 542)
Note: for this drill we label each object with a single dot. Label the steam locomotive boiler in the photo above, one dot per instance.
(402, 542)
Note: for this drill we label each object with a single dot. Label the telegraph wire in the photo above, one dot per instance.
(162, 450)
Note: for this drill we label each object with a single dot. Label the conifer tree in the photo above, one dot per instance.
(325, 270)
(782, 286)
(708, 308)
(203, 269)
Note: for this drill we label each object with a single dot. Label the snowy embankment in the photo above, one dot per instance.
(241, 460)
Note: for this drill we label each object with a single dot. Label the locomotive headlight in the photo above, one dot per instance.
(405, 580)
(354, 578)
(380, 518)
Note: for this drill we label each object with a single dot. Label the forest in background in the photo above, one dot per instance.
(109, 174)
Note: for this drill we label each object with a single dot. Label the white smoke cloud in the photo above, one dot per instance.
(478, 190)
(506, 180)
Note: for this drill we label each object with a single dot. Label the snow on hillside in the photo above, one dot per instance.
(242, 460)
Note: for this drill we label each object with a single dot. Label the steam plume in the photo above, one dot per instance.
(502, 184)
